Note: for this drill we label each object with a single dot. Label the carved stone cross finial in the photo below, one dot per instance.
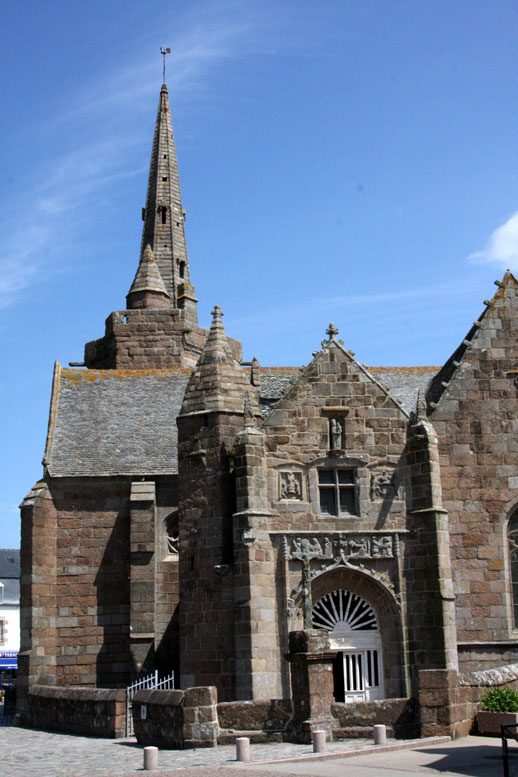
(331, 331)
(216, 313)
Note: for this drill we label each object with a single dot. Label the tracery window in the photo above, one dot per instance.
(512, 538)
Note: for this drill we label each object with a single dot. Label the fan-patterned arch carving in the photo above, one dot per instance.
(344, 611)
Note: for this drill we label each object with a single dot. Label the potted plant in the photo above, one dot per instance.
(499, 706)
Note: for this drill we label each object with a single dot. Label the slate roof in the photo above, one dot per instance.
(123, 422)
(114, 422)
(9, 563)
(403, 383)
(10, 576)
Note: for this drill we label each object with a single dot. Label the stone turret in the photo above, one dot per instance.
(211, 416)
(219, 383)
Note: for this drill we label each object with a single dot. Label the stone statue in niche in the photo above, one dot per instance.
(382, 546)
(335, 434)
(383, 486)
(291, 485)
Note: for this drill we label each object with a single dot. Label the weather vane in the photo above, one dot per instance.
(163, 53)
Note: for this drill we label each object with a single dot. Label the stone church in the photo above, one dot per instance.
(195, 509)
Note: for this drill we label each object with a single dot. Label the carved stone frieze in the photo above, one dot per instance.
(345, 546)
(342, 561)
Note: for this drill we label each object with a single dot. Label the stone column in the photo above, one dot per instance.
(311, 662)
(142, 576)
(38, 609)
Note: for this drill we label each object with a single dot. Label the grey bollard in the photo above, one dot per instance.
(243, 749)
(319, 741)
(150, 758)
(380, 734)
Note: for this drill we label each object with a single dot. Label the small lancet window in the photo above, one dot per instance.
(164, 178)
(512, 539)
(182, 269)
(172, 534)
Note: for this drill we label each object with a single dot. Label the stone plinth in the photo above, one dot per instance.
(311, 662)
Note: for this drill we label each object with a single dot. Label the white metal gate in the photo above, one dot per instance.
(362, 677)
(145, 683)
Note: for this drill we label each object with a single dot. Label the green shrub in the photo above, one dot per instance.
(500, 700)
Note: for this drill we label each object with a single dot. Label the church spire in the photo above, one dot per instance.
(164, 216)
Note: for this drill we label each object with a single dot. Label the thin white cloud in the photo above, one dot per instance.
(502, 246)
(408, 299)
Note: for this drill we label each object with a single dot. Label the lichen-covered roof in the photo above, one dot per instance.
(403, 383)
(275, 381)
(114, 422)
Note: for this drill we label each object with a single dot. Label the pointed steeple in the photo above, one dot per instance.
(148, 289)
(164, 216)
(218, 383)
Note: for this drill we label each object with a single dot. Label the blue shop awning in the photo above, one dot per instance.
(8, 660)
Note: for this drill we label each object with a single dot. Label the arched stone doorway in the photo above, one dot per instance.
(353, 628)
(380, 613)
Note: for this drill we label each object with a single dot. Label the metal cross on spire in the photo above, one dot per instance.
(163, 52)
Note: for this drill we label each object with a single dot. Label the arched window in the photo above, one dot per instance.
(512, 539)
(171, 527)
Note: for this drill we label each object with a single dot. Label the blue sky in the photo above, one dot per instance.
(345, 161)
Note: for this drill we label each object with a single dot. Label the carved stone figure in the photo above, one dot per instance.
(336, 433)
(291, 485)
(359, 547)
(306, 548)
(248, 411)
(307, 603)
(382, 546)
(383, 486)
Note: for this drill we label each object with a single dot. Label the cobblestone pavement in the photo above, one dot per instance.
(30, 753)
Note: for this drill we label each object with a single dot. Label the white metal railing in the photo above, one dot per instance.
(145, 683)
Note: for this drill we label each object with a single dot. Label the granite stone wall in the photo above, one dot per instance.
(473, 411)
(83, 711)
